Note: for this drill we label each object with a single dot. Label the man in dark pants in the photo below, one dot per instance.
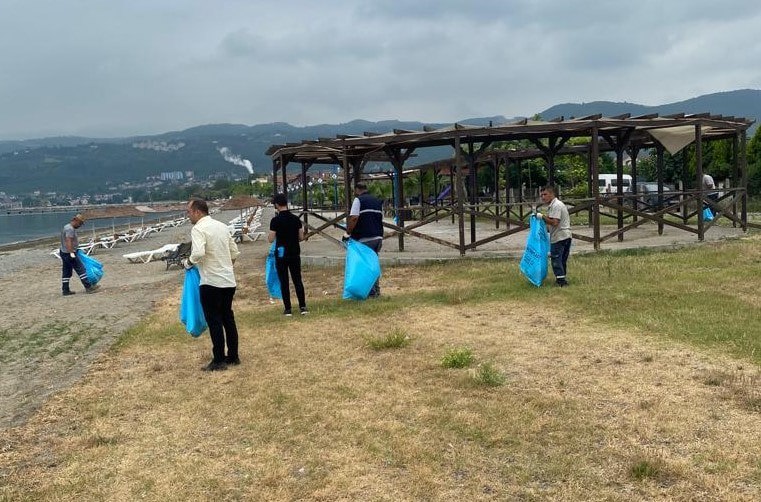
(69, 260)
(559, 226)
(287, 231)
(365, 224)
(214, 251)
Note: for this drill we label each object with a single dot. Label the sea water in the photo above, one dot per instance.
(26, 227)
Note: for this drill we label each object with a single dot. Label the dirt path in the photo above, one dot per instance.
(48, 341)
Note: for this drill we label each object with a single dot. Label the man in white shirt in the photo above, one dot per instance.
(214, 251)
(708, 184)
(559, 226)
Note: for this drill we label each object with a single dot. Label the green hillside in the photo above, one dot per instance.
(75, 164)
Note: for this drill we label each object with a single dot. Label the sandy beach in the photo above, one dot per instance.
(47, 341)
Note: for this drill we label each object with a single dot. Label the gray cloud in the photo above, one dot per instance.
(142, 67)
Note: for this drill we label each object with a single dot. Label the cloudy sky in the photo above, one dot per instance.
(124, 67)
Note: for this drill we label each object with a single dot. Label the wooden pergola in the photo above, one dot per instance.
(549, 139)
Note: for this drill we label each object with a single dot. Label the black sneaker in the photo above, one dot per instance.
(232, 360)
(68, 293)
(303, 310)
(92, 289)
(287, 313)
(215, 366)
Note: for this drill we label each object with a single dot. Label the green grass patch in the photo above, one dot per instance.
(459, 357)
(395, 339)
(643, 469)
(488, 375)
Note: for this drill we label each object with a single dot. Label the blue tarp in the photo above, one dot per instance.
(191, 312)
(534, 261)
(270, 274)
(93, 267)
(362, 270)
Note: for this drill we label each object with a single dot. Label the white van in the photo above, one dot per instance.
(608, 183)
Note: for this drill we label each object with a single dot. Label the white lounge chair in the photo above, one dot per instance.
(148, 256)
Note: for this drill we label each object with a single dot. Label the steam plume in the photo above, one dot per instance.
(236, 159)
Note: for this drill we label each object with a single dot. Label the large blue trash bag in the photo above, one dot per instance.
(534, 261)
(707, 214)
(93, 267)
(270, 274)
(362, 270)
(191, 312)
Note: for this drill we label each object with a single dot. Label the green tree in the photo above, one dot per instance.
(754, 163)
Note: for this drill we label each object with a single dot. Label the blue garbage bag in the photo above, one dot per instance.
(93, 267)
(270, 274)
(707, 214)
(362, 270)
(191, 312)
(534, 261)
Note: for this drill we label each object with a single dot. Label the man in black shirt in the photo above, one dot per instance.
(286, 229)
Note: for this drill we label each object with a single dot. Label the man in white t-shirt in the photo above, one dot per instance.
(559, 226)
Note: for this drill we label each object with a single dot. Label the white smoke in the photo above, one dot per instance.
(236, 159)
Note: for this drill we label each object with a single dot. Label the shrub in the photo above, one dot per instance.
(488, 375)
(457, 358)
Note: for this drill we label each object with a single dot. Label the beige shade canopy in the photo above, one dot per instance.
(111, 212)
(167, 208)
(242, 202)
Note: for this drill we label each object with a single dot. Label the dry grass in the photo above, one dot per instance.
(586, 411)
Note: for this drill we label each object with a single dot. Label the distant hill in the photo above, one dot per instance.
(742, 103)
(77, 164)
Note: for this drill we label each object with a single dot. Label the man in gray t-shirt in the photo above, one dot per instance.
(559, 226)
(70, 262)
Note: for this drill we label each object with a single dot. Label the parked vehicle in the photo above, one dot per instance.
(647, 193)
(608, 183)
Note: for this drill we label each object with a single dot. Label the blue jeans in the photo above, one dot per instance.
(559, 252)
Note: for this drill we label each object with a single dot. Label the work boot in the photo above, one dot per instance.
(68, 293)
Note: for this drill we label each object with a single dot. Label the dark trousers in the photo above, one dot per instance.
(68, 265)
(217, 304)
(375, 245)
(285, 265)
(559, 252)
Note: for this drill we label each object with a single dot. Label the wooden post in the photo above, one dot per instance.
(736, 175)
(304, 200)
(347, 182)
(497, 210)
(401, 204)
(620, 187)
(659, 174)
(460, 195)
(274, 175)
(633, 152)
(452, 191)
(699, 176)
(744, 182)
(473, 188)
(594, 153)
